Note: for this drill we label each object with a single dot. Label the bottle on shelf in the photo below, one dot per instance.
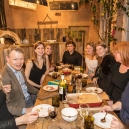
(62, 88)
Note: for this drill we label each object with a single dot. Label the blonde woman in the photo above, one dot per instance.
(7, 120)
(90, 59)
(37, 67)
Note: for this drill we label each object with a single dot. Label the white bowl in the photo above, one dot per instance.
(69, 114)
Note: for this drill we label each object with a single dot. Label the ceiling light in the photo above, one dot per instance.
(63, 5)
(41, 2)
(23, 4)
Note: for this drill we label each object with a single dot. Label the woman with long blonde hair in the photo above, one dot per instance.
(90, 59)
(37, 67)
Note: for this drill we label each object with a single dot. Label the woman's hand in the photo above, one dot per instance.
(95, 80)
(6, 88)
(106, 108)
(115, 124)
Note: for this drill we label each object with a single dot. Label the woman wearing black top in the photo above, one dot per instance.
(37, 67)
(104, 69)
(7, 120)
(120, 74)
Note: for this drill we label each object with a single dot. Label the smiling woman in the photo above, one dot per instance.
(105, 66)
(37, 67)
(48, 52)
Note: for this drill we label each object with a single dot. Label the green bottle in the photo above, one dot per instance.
(62, 88)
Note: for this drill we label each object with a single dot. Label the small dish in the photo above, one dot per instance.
(66, 71)
(69, 114)
(93, 90)
(50, 73)
(84, 75)
(42, 109)
(50, 87)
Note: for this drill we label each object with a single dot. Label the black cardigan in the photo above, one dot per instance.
(104, 70)
(7, 120)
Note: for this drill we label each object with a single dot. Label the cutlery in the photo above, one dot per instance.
(104, 119)
(96, 89)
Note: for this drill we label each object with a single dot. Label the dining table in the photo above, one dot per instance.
(45, 97)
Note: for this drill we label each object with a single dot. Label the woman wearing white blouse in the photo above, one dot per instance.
(90, 59)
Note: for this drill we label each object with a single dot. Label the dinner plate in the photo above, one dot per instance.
(50, 87)
(42, 109)
(92, 90)
(99, 116)
(50, 73)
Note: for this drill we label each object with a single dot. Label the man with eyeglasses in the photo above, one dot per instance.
(71, 56)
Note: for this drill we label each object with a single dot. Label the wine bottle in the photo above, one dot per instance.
(62, 88)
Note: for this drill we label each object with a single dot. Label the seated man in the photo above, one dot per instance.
(22, 96)
(71, 56)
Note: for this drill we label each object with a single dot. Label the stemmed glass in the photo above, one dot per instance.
(84, 110)
(52, 111)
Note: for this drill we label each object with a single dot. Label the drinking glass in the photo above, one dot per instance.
(78, 85)
(56, 101)
(84, 82)
(52, 111)
(84, 110)
(54, 75)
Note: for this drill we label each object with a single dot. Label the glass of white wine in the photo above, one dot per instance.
(84, 110)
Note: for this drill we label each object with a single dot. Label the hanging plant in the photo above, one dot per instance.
(108, 11)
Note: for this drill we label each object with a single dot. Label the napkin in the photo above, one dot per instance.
(59, 125)
(47, 94)
(56, 82)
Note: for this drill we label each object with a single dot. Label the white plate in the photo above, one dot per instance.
(50, 73)
(59, 67)
(92, 90)
(42, 109)
(99, 116)
(84, 75)
(50, 87)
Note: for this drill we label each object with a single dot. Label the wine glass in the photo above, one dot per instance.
(84, 110)
(52, 111)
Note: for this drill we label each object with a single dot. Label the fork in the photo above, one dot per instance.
(96, 89)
